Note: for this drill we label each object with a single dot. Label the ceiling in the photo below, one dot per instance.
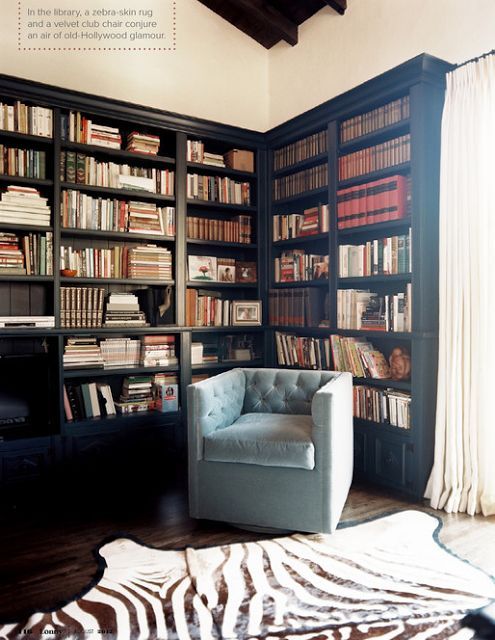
(270, 21)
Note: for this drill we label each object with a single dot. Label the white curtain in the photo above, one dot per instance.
(463, 475)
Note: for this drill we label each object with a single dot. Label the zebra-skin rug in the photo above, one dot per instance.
(385, 578)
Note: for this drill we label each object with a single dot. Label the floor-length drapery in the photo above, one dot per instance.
(463, 475)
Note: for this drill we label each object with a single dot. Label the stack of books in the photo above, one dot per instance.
(136, 395)
(103, 136)
(24, 205)
(11, 256)
(33, 322)
(150, 262)
(143, 143)
(157, 351)
(195, 150)
(144, 217)
(120, 352)
(123, 310)
(359, 357)
(82, 353)
(213, 159)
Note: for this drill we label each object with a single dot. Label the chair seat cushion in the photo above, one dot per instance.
(268, 439)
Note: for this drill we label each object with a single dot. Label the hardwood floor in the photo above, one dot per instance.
(48, 536)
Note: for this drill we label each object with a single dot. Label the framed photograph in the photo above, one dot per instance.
(202, 268)
(245, 272)
(246, 312)
(226, 270)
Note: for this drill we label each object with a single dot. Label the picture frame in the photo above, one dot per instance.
(245, 271)
(202, 268)
(246, 312)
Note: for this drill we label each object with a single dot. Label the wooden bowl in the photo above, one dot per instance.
(68, 273)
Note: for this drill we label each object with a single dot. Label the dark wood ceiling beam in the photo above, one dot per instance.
(339, 5)
(267, 14)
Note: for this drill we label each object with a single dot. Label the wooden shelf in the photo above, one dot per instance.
(21, 278)
(222, 171)
(120, 193)
(117, 235)
(210, 366)
(132, 420)
(322, 283)
(370, 425)
(400, 385)
(222, 243)
(396, 277)
(311, 332)
(375, 137)
(302, 196)
(25, 138)
(117, 371)
(379, 335)
(207, 204)
(313, 161)
(236, 329)
(317, 237)
(375, 229)
(94, 149)
(26, 228)
(401, 169)
(28, 182)
(222, 285)
(129, 281)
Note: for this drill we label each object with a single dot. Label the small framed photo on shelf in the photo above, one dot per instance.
(202, 268)
(226, 269)
(246, 312)
(245, 272)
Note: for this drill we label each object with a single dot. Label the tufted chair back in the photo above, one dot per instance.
(282, 391)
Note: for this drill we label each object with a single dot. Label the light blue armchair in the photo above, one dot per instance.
(271, 448)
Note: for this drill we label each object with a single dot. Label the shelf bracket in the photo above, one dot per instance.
(339, 6)
(265, 13)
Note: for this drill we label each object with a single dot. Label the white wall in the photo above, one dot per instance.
(217, 72)
(337, 53)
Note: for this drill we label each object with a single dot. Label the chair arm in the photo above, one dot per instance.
(333, 439)
(213, 404)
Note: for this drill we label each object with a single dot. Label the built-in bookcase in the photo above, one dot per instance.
(383, 159)
(115, 179)
(294, 224)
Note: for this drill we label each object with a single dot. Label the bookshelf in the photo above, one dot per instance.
(196, 205)
(383, 167)
(114, 176)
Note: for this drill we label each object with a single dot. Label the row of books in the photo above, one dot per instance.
(148, 351)
(236, 230)
(297, 183)
(374, 120)
(386, 406)
(31, 254)
(138, 393)
(213, 269)
(142, 262)
(299, 307)
(81, 211)
(23, 118)
(381, 156)
(312, 145)
(373, 202)
(364, 310)
(24, 163)
(217, 189)
(358, 356)
(298, 266)
(231, 348)
(302, 352)
(294, 225)
(196, 153)
(208, 309)
(24, 205)
(123, 310)
(78, 128)
(79, 168)
(81, 307)
(384, 256)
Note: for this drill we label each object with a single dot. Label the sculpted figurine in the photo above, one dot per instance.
(400, 364)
